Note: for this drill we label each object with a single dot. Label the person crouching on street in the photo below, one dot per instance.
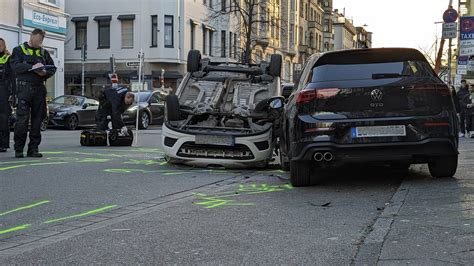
(7, 92)
(113, 102)
(32, 65)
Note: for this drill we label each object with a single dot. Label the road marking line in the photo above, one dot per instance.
(25, 207)
(14, 229)
(25, 165)
(91, 212)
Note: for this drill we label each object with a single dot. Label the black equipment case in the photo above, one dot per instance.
(93, 138)
(116, 140)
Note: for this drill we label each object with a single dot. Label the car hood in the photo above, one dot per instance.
(61, 108)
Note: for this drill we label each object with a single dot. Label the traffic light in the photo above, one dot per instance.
(84, 52)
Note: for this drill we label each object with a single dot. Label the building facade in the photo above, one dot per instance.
(19, 17)
(344, 32)
(364, 38)
(164, 30)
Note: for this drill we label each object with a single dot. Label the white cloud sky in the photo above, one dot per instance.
(397, 23)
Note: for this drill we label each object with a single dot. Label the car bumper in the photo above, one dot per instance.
(249, 151)
(413, 152)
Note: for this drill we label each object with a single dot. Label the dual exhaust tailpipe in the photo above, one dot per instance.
(326, 156)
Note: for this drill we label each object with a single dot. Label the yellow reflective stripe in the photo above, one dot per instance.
(4, 59)
(30, 51)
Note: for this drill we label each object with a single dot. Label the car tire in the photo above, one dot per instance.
(194, 61)
(275, 65)
(172, 108)
(300, 173)
(444, 166)
(44, 125)
(144, 120)
(72, 122)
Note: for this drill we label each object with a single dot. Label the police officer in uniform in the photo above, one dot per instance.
(33, 66)
(113, 101)
(7, 90)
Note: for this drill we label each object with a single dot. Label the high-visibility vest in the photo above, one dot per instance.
(4, 59)
(29, 51)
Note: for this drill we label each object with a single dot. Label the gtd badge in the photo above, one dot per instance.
(376, 95)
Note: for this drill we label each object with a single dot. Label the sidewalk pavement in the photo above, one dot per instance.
(428, 221)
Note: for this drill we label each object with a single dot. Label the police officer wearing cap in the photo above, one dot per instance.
(7, 90)
(33, 66)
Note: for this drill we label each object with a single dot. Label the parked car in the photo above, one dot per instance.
(224, 114)
(151, 110)
(71, 111)
(44, 123)
(383, 105)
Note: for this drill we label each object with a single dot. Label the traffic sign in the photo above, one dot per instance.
(450, 15)
(133, 64)
(450, 30)
(462, 71)
(466, 36)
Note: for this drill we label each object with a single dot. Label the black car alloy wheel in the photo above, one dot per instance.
(72, 122)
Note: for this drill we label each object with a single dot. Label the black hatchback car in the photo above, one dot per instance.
(382, 105)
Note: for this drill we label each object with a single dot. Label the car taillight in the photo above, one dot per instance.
(306, 96)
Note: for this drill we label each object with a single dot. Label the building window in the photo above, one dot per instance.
(81, 34)
(231, 44)
(204, 30)
(211, 40)
(50, 2)
(223, 44)
(127, 31)
(154, 31)
(103, 23)
(169, 32)
(224, 5)
(235, 45)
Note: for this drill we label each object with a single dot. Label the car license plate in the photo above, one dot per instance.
(379, 131)
(215, 140)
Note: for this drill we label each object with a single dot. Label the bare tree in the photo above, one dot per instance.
(251, 15)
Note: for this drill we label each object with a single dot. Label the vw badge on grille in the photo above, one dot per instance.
(376, 95)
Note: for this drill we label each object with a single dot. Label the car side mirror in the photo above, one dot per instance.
(276, 103)
(85, 106)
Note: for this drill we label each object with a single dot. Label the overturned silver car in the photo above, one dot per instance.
(224, 114)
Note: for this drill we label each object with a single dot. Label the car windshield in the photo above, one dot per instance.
(144, 96)
(68, 100)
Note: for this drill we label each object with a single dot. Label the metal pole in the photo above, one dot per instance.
(449, 61)
(82, 78)
(140, 58)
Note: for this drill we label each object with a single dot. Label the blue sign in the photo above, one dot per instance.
(462, 60)
(450, 15)
(467, 28)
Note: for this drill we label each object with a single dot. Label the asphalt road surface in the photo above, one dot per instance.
(126, 205)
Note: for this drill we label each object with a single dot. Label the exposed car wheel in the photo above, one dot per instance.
(300, 173)
(275, 65)
(144, 120)
(44, 124)
(194, 60)
(72, 122)
(445, 166)
(172, 108)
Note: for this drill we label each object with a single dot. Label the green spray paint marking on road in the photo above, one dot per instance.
(14, 229)
(141, 162)
(91, 212)
(263, 188)
(93, 160)
(26, 165)
(53, 152)
(164, 172)
(25, 207)
(213, 202)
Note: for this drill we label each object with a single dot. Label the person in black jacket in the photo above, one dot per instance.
(113, 102)
(33, 66)
(7, 92)
(464, 101)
